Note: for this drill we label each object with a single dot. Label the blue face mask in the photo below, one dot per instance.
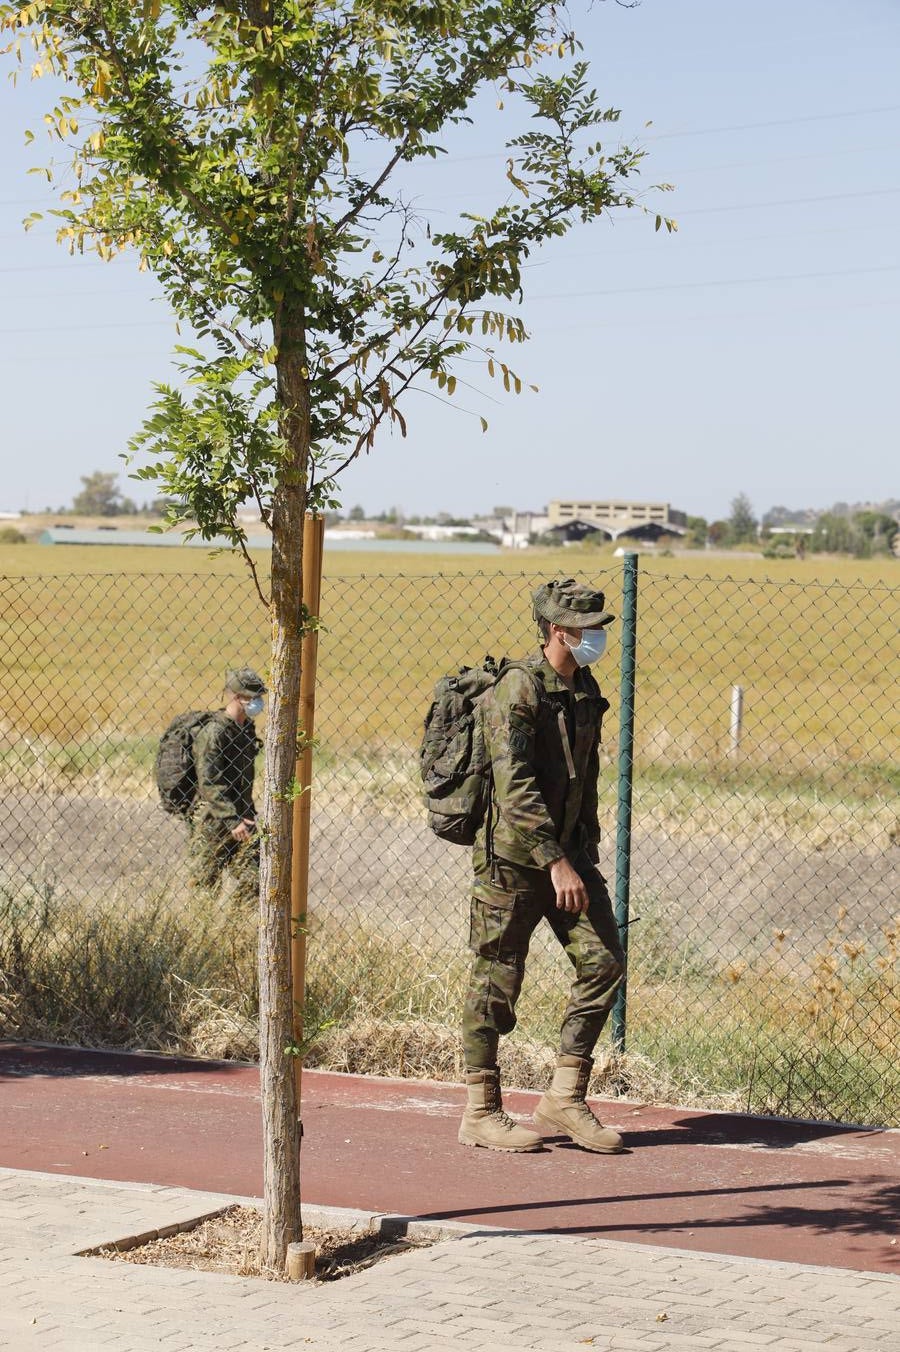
(591, 646)
(254, 706)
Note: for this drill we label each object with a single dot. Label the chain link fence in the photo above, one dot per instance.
(764, 929)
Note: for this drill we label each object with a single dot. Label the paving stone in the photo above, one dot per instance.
(522, 1291)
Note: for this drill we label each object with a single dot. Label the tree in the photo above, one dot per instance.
(245, 151)
(100, 496)
(862, 534)
(356, 514)
(832, 533)
(162, 506)
(697, 531)
(742, 525)
(877, 529)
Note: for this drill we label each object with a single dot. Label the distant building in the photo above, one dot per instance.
(572, 519)
(111, 535)
(513, 529)
(348, 533)
(433, 531)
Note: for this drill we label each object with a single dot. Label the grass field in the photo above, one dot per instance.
(813, 643)
(31, 560)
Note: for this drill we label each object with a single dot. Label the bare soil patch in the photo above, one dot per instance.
(229, 1243)
(401, 877)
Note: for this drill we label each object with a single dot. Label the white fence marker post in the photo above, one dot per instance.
(737, 718)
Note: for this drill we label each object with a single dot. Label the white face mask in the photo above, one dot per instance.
(254, 706)
(590, 647)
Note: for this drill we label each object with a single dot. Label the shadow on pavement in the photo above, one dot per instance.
(21, 1059)
(621, 1198)
(876, 1214)
(737, 1129)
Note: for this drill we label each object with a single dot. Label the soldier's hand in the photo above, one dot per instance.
(242, 831)
(571, 893)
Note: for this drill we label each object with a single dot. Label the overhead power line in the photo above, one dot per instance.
(555, 295)
(777, 122)
(723, 242)
(81, 328)
(657, 321)
(690, 211)
(724, 281)
(791, 201)
(58, 267)
(653, 136)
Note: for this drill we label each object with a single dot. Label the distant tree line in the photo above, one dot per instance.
(862, 532)
(741, 527)
(100, 495)
(843, 529)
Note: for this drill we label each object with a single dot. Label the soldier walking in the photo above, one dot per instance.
(223, 822)
(535, 858)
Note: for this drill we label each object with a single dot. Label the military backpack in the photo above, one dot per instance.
(175, 770)
(454, 760)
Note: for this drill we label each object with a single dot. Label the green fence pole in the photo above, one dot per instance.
(626, 774)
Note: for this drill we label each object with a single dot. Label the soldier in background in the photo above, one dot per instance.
(223, 822)
(535, 858)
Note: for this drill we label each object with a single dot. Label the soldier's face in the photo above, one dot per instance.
(586, 645)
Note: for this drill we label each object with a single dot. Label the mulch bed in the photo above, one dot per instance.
(230, 1243)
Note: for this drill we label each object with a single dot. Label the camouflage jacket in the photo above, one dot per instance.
(543, 740)
(225, 756)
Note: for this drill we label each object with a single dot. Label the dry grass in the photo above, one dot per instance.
(816, 639)
(229, 1243)
(760, 1032)
(420, 1050)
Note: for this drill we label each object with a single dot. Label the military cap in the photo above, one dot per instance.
(245, 681)
(571, 604)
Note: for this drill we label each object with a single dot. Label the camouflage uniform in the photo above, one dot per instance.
(224, 754)
(543, 740)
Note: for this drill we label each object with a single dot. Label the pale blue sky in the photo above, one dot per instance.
(755, 351)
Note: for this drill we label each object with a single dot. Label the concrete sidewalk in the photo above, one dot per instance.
(530, 1291)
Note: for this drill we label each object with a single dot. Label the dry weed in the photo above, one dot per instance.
(214, 1027)
(419, 1050)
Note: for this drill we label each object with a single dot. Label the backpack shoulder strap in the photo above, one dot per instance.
(526, 664)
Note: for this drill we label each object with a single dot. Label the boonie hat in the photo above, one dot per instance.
(571, 604)
(245, 681)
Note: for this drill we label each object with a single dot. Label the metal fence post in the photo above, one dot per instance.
(625, 779)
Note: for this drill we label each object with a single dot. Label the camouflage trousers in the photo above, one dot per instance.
(508, 902)
(212, 848)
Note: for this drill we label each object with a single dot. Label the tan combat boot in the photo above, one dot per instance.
(563, 1107)
(484, 1121)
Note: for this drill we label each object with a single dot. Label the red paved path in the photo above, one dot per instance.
(714, 1182)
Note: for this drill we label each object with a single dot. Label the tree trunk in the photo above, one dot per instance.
(281, 1136)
